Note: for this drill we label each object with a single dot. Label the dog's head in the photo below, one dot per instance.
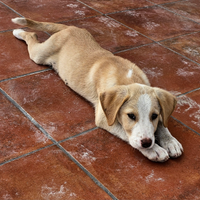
(138, 108)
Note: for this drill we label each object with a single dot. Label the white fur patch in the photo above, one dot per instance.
(17, 32)
(130, 72)
(19, 20)
(144, 105)
(144, 127)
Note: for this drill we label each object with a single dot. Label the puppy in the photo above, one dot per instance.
(125, 103)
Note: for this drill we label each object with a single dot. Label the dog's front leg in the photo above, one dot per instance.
(168, 142)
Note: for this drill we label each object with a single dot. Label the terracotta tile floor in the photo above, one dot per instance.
(50, 147)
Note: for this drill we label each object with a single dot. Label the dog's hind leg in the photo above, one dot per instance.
(37, 51)
(39, 26)
(45, 53)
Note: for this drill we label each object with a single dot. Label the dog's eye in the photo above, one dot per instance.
(154, 116)
(132, 116)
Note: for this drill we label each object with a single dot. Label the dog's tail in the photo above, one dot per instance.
(39, 26)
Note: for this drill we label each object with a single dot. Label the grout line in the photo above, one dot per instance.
(176, 13)
(96, 181)
(187, 34)
(131, 9)
(77, 135)
(93, 178)
(164, 3)
(24, 75)
(185, 125)
(28, 116)
(130, 28)
(89, 6)
(157, 42)
(71, 20)
(178, 53)
(26, 154)
(136, 47)
(9, 30)
(194, 90)
(11, 9)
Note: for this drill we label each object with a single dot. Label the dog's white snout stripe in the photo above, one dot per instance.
(143, 132)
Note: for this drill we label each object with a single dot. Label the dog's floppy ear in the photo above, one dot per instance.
(111, 101)
(167, 102)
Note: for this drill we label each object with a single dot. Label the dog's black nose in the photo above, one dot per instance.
(146, 142)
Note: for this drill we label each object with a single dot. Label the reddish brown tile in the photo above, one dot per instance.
(156, 23)
(188, 110)
(14, 57)
(47, 174)
(107, 6)
(164, 68)
(18, 135)
(188, 45)
(47, 10)
(60, 111)
(189, 9)
(162, 1)
(6, 16)
(129, 175)
(110, 34)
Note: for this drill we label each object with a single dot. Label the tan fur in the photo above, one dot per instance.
(96, 74)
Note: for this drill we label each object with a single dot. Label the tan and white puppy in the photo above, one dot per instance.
(125, 103)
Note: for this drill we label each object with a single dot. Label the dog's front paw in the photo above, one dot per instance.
(156, 153)
(172, 146)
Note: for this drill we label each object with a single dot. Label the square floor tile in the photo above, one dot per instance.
(164, 68)
(188, 110)
(188, 45)
(6, 15)
(129, 175)
(107, 6)
(156, 23)
(109, 34)
(58, 109)
(47, 10)
(47, 174)
(14, 57)
(18, 135)
(188, 8)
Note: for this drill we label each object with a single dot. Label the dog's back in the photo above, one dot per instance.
(82, 63)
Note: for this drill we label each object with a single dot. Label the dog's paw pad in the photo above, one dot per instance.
(17, 33)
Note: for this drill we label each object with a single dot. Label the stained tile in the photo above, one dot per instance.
(47, 174)
(188, 8)
(14, 57)
(110, 34)
(18, 135)
(164, 68)
(162, 1)
(60, 111)
(156, 23)
(5, 16)
(188, 45)
(106, 6)
(48, 10)
(129, 175)
(188, 110)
